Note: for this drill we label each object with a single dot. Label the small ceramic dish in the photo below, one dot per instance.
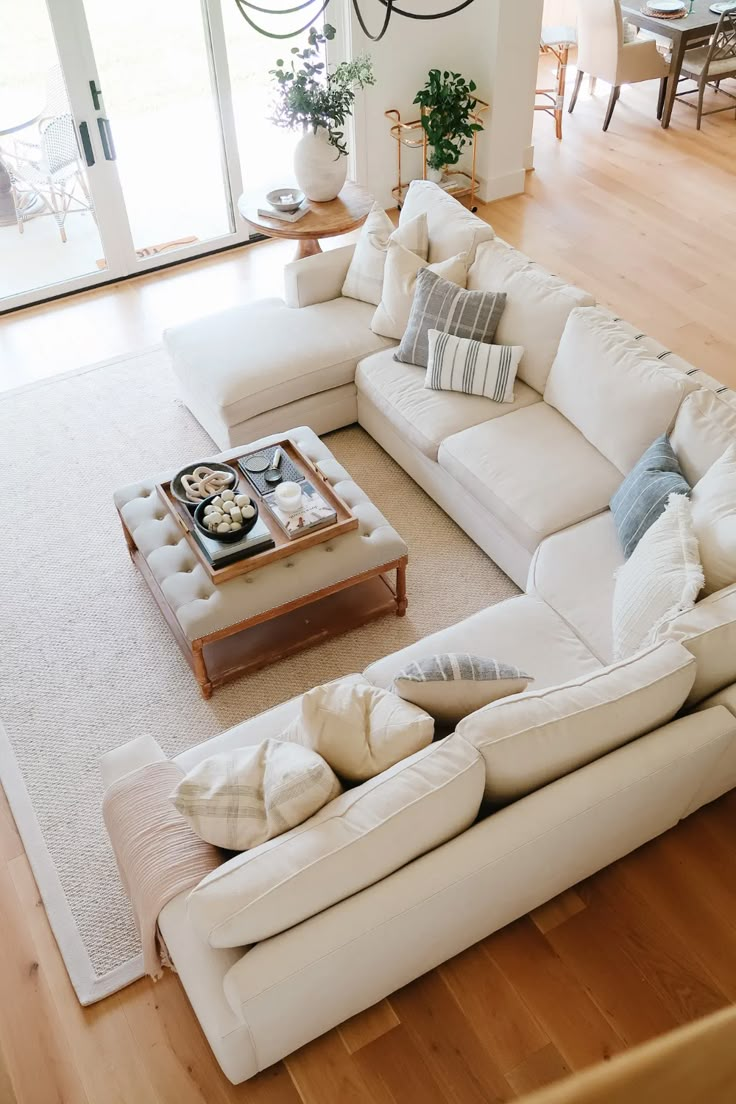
(287, 200)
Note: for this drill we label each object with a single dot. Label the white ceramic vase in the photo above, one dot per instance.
(320, 170)
(435, 175)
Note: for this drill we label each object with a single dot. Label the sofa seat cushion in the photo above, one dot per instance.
(452, 227)
(523, 631)
(532, 470)
(421, 415)
(252, 359)
(611, 389)
(573, 572)
(531, 739)
(358, 839)
(538, 305)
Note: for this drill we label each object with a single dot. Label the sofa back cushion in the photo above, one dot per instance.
(618, 397)
(536, 737)
(452, 228)
(538, 305)
(708, 631)
(704, 428)
(356, 840)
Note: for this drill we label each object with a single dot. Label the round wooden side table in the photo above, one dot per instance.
(324, 220)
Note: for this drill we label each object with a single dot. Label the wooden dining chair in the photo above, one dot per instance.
(603, 52)
(557, 42)
(710, 65)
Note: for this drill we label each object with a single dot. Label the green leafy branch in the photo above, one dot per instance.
(310, 96)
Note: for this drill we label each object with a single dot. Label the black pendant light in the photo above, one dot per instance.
(314, 9)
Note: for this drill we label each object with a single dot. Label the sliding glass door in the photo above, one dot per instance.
(121, 139)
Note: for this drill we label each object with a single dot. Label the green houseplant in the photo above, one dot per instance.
(312, 98)
(447, 104)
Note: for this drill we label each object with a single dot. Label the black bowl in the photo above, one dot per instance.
(225, 538)
(178, 491)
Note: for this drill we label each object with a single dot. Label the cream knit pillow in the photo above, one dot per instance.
(360, 730)
(364, 280)
(242, 798)
(399, 284)
(661, 578)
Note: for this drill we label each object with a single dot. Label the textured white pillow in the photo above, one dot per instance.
(239, 799)
(399, 283)
(364, 280)
(713, 502)
(661, 578)
(360, 729)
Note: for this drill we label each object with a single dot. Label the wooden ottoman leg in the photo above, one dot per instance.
(401, 600)
(200, 670)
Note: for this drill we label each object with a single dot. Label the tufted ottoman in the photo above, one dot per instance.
(232, 627)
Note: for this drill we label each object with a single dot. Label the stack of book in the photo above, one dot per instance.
(315, 513)
(220, 554)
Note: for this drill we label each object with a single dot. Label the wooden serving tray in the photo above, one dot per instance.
(283, 546)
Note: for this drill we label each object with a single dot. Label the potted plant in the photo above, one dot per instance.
(318, 101)
(447, 104)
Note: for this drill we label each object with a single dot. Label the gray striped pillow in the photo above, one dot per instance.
(458, 364)
(441, 305)
(452, 685)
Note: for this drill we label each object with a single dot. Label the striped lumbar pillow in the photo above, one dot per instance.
(441, 305)
(473, 367)
(452, 685)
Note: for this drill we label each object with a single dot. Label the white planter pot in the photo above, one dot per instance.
(320, 170)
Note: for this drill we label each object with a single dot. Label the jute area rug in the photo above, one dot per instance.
(87, 660)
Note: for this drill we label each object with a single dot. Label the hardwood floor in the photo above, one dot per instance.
(645, 219)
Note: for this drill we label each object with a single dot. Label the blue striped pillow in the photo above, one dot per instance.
(645, 491)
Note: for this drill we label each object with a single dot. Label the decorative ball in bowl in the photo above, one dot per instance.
(287, 200)
(226, 517)
(197, 482)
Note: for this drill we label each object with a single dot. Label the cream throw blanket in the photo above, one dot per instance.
(158, 854)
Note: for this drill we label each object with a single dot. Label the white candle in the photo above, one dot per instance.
(289, 497)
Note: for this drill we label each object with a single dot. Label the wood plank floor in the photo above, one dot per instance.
(647, 220)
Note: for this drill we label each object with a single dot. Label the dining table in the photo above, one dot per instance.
(695, 27)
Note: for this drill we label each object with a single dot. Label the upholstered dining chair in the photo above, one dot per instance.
(711, 64)
(603, 52)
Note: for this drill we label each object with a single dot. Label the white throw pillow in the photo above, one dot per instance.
(661, 578)
(364, 280)
(533, 738)
(472, 367)
(451, 685)
(354, 842)
(239, 799)
(704, 428)
(713, 502)
(399, 284)
(618, 396)
(360, 729)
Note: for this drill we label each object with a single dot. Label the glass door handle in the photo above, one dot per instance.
(89, 156)
(108, 144)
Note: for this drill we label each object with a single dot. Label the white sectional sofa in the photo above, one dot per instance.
(596, 757)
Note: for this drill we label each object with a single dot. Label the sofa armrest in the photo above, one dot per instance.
(317, 279)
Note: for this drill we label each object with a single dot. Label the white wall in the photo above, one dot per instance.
(493, 42)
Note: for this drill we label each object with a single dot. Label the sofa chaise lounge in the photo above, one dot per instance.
(596, 758)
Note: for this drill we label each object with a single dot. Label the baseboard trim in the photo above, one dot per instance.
(499, 187)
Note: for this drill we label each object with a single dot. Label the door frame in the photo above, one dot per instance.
(76, 58)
